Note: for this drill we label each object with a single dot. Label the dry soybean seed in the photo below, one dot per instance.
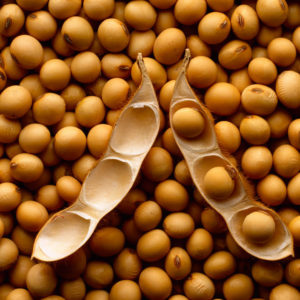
(141, 41)
(178, 264)
(169, 46)
(127, 265)
(107, 241)
(96, 295)
(55, 74)
(70, 289)
(255, 130)
(34, 138)
(72, 94)
(47, 195)
(245, 22)
(192, 284)
(98, 138)
(214, 28)
(219, 183)
(222, 98)
(271, 190)
(78, 33)
(158, 164)
(113, 35)
(279, 122)
(98, 274)
(228, 136)
(27, 51)
(188, 122)
(49, 109)
(267, 273)
(41, 280)
(99, 10)
(238, 286)
(294, 227)
(182, 173)
(197, 46)
(267, 34)
(258, 227)
(26, 167)
(240, 79)
(202, 72)
(147, 215)
(15, 101)
(165, 19)
(287, 89)
(235, 55)
(294, 133)
(286, 161)
(212, 221)
(257, 162)
(68, 188)
(219, 265)
(155, 283)
(86, 67)
(283, 56)
(115, 93)
(189, 12)
(125, 289)
(8, 253)
(284, 291)
(140, 15)
(178, 225)
(11, 19)
(41, 25)
(31, 215)
(18, 294)
(90, 111)
(262, 70)
(153, 245)
(69, 143)
(10, 196)
(171, 195)
(221, 5)
(272, 12)
(292, 274)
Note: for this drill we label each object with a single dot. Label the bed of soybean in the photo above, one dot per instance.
(67, 69)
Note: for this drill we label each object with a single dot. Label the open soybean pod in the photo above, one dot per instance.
(219, 182)
(109, 181)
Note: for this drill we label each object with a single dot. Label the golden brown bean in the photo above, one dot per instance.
(202, 72)
(214, 28)
(141, 41)
(272, 12)
(256, 162)
(15, 101)
(189, 12)
(165, 19)
(78, 33)
(98, 274)
(245, 22)
(169, 46)
(282, 51)
(69, 143)
(31, 215)
(49, 109)
(225, 93)
(86, 67)
(8, 253)
(11, 19)
(116, 65)
(140, 15)
(41, 25)
(98, 10)
(155, 283)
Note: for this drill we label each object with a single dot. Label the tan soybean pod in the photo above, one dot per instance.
(109, 181)
(202, 155)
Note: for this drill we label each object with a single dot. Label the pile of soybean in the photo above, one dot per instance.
(68, 68)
